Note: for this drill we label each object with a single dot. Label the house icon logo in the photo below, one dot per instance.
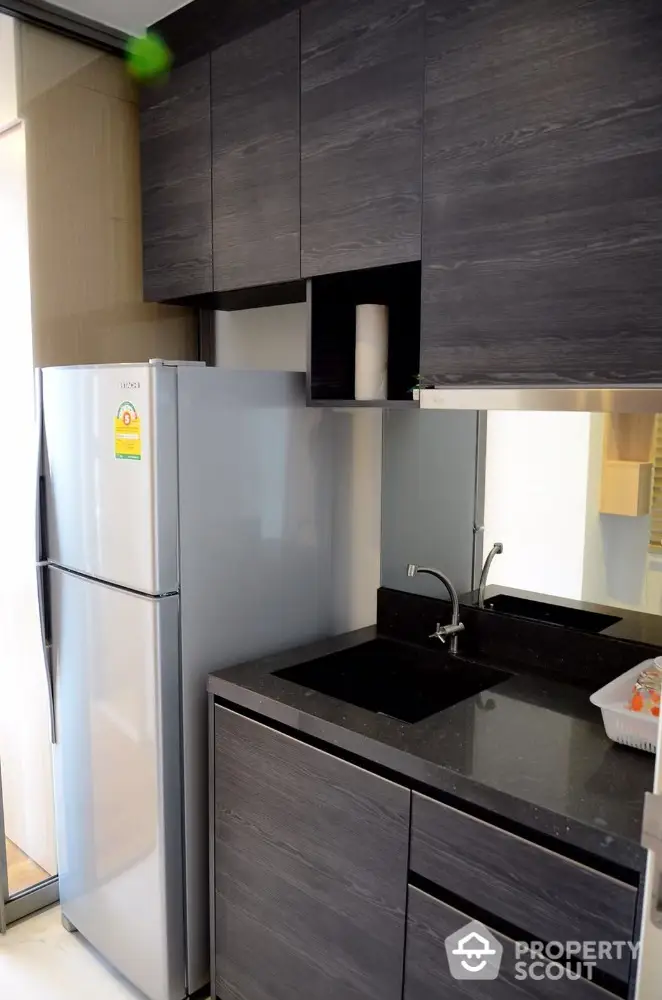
(474, 953)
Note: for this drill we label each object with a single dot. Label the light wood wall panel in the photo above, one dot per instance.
(81, 116)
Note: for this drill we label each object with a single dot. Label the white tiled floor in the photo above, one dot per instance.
(39, 960)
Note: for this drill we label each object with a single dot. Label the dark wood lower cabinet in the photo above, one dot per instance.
(530, 887)
(310, 856)
(311, 861)
(427, 970)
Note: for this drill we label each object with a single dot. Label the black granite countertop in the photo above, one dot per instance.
(530, 750)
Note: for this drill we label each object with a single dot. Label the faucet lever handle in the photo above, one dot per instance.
(439, 634)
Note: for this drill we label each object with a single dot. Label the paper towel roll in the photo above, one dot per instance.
(371, 352)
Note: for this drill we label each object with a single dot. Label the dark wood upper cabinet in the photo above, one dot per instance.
(362, 68)
(255, 142)
(310, 858)
(542, 207)
(175, 146)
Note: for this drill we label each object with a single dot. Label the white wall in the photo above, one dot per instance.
(535, 499)
(275, 339)
(25, 749)
(263, 339)
(128, 15)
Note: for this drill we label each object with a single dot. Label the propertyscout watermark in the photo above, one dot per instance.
(475, 953)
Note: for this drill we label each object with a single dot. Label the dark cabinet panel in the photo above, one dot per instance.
(542, 192)
(175, 147)
(255, 143)
(548, 896)
(310, 871)
(203, 25)
(362, 64)
(427, 972)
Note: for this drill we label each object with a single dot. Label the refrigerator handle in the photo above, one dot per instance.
(40, 550)
(46, 644)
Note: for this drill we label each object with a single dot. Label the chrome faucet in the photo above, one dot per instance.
(496, 550)
(456, 626)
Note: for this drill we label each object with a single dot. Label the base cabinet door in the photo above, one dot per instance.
(310, 859)
(428, 974)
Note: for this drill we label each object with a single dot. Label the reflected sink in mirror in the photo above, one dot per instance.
(554, 614)
(391, 678)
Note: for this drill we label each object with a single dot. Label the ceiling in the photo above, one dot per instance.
(132, 16)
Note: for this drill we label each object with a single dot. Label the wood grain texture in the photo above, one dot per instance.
(175, 144)
(547, 896)
(361, 119)
(311, 871)
(543, 192)
(204, 25)
(427, 974)
(255, 144)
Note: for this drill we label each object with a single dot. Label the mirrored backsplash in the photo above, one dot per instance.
(544, 487)
(551, 484)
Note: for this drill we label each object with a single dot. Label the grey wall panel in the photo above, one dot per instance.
(429, 497)
(256, 479)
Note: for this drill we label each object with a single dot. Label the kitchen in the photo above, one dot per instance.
(509, 271)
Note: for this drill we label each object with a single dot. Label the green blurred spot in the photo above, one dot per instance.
(148, 57)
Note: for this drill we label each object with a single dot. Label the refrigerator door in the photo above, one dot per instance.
(110, 460)
(117, 774)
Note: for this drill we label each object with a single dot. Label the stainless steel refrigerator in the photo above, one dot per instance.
(186, 525)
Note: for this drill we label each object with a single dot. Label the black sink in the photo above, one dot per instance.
(392, 678)
(556, 614)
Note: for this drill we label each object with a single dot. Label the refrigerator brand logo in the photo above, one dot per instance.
(129, 385)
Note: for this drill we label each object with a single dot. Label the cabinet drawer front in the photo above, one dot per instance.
(428, 976)
(549, 897)
(310, 870)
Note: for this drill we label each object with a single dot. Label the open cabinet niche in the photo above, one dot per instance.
(627, 464)
(332, 302)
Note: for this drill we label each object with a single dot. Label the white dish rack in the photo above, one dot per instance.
(634, 729)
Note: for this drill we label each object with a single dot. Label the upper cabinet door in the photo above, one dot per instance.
(362, 68)
(542, 213)
(175, 142)
(255, 138)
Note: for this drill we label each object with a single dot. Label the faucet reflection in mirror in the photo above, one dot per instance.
(496, 550)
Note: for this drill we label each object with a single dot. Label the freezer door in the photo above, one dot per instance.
(117, 776)
(110, 461)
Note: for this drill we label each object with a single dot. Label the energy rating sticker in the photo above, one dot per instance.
(127, 433)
